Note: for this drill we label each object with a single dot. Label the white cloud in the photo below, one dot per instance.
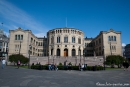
(6, 33)
(123, 44)
(40, 34)
(16, 17)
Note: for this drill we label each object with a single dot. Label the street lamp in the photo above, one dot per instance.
(19, 47)
(29, 56)
(84, 57)
(104, 57)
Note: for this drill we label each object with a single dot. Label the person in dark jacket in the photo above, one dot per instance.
(124, 65)
(18, 63)
(127, 65)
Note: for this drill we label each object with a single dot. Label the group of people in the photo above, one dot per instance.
(125, 65)
(82, 67)
(52, 67)
(4, 62)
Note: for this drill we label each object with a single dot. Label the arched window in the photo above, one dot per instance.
(73, 39)
(58, 39)
(15, 37)
(66, 39)
(18, 37)
(109, 38)
(114, 38)
(73, 52)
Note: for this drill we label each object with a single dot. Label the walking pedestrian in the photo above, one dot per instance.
(82, 67)
(56, 68)
(18, 63)
(124, 65)
(3, 63)
(127, 66)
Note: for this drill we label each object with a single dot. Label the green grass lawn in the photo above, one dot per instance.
(22, 67)
(113, 68)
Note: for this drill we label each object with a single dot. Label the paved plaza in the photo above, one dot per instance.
(13, 77)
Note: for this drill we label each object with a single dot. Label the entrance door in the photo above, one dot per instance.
(65, 52)
(73, 52)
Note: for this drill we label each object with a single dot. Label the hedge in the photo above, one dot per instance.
(61, 67)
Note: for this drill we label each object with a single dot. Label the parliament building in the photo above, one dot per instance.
(65, 42)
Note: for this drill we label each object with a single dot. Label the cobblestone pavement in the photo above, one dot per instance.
(12, 77)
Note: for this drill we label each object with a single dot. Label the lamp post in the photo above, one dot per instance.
(19, 47)
(84, 58)
(29, 56)
(104, 57)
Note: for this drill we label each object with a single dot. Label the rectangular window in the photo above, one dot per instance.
(109, 38)
(18, 37)
(15, 37)
(73, 39)
(114, 38)
(58, 39)
(21, 37)
(65, 39)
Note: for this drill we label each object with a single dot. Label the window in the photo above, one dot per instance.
(109, 38)
(15, 37)
(73, 39)
(87, 44)
(114, 38)
(0, 43)
(65, 39)
(79, 40)
(18, 37)
(58, 39)
(21, 37)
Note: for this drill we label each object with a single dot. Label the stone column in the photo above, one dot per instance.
(77, 50)
(61, 51)
(69, 51)
(54, 51)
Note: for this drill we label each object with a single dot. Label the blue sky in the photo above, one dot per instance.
(90, 16)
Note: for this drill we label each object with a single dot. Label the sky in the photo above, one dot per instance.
(90, 16)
